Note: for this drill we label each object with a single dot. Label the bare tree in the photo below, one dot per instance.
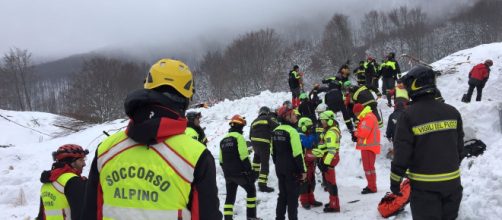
(337, 44)
(17, 67)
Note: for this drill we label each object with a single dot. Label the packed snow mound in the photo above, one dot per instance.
(21, 164)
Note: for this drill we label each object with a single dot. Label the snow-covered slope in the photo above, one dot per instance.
(21, 164)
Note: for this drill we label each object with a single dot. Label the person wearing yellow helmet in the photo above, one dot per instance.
(308, 138)
(329, 157)
(152, 170)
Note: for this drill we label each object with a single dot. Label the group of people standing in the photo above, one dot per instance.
(159, 167)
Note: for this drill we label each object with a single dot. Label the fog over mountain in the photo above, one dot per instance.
(58, 28)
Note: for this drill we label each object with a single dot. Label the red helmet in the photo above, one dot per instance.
(285, 111)
(237, 119)
(69, 151)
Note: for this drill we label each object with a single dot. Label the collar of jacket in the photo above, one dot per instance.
(56, 173)
(363, 113)
(152, 120)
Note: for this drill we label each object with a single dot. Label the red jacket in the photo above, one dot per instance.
(480, 72)
(368, 133)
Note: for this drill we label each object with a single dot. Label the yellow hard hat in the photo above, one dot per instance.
(172, 73)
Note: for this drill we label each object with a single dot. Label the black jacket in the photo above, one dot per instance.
(364, 96)
(282, 152)
(360, 73)
(391, 124)
(262, 127)
(74, 192)
(387, 72)
(144, 129)
(231, 162)
(372, 70)
(307, 108)
(428, 140)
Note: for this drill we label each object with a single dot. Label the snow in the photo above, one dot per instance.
(29, 152)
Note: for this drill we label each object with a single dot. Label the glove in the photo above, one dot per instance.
(323, 167)
(317, 152)
(354, 138)
(395, 188)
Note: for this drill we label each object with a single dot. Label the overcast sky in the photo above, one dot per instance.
(55, 28)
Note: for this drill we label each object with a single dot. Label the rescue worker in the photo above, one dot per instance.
(372, 73)
(260, 134)
(363, 96)
(360, 73)
(391, 125)
(136, 173)
(308, 138)
(400, 94)
(309, 104)
(193, 128)
(368, 142)
(63, 189)
(295, 82)
(428, 145)
(290, 167)
(390, 72)
(478, 77)
(328, 150)
(334, 98)
(234, 160)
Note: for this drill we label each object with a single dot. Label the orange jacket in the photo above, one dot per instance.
(368, 133)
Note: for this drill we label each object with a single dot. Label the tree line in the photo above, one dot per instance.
(255, 61)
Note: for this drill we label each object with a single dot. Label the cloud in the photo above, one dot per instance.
(61, 27)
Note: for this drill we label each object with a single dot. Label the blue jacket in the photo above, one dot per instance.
(308, 141)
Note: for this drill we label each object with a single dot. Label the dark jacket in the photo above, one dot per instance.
(294, 80)
(363, 96)
(262, 127)
(145, 130)
(74, 192)
(371, 69)
(307, 108)
(360, 73)
(234, 158)
(428, 141)
(287, 152)
(391, 124)
(390, 69)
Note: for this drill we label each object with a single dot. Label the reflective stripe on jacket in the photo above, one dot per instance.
(147, 182)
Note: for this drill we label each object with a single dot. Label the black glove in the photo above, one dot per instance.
(354, 138)
(395, 188)
(323, 167)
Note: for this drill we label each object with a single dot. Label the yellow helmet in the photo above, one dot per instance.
(172, 73)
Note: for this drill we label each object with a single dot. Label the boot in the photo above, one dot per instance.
(265, 188)
(306, 206)
(312, 200)
(367, 190)
(333, 205)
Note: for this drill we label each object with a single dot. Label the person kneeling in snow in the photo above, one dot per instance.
(234, 160)
(308, 138)
(328, 152)
(368, 142)
(63, 189)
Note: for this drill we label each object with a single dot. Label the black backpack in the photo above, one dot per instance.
(473, 148)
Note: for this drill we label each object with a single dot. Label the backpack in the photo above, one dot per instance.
(473, 148)
(391, 204)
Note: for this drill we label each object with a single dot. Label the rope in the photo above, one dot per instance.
(25, 126)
